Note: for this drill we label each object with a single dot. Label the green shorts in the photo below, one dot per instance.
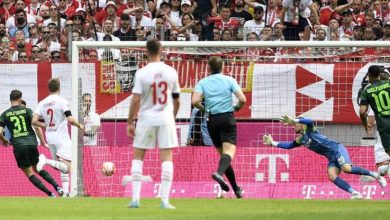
(26, 155)
(385, 138)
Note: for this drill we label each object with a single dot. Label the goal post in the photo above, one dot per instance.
(315, 79)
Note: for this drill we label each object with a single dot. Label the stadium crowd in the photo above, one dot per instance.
(41, 30)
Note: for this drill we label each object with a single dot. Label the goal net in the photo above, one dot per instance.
(319, 80)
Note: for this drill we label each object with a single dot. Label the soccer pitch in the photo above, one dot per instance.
(21, 208)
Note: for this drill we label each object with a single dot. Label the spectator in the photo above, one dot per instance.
(54, 17)
(65, 10)
(378, 23)
(7, 10)
(21, 45)
(19, 24)
(139, 19)
(3, 30)
(226, 21)
(175, 9)
(386, 32)
(34, 53)
(44, 55)
(78, 22)
(278, 32)
(240, 12)
(19, 5)
(91, 121)
(53, 32)
(173, 35)
(140, 33)
(47, 43)
(33, 38)
(257, 24)
(186, 7)
(347, 25)
(110, 14)
(44, 12)
(334, 36)
(76, 35)
(216, 34)
(266, 34)
(33, 9)
(227, 35)
(125, 33)
(171, 20)
(294, 17)
(22, 57)
(368, 34)
(320, 35)
(55, 56)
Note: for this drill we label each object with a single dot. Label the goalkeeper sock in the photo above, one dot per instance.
(361, 171)
(231, 177)
(57, 165)
(65, 183)
(38, 183)
(224, 163)
(46, 176)
(166, 180)
(343, 185)
(136, 173)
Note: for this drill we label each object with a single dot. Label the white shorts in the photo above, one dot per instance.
(62, 150)
(379, 151)
(146, 136)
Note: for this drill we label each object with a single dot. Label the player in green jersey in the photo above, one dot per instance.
(377, 96)
(18, 120)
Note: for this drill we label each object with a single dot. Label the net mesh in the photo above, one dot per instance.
(321, 85)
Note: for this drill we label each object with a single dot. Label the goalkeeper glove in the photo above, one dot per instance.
(286, 120)
(267, 140)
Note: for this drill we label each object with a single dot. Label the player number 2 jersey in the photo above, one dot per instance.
(155, 83)
(52, 110)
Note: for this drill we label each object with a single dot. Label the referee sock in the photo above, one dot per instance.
(38, 183)
(343, 185)
(136, 173)
(224, 163)
(231, 177)
(166, 180)
(46, 176)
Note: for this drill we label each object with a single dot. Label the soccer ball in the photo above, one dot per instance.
(108, 168)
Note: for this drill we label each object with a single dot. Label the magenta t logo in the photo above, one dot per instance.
(272, 167)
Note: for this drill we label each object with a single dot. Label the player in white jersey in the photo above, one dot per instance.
(55, 111)
(155, 102)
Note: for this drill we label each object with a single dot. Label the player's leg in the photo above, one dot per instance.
(144, 138)
(385, 140)
(344, 162)
(166, 139)
(382, 159)
(54, 162)
(25, 157)
(333, 175)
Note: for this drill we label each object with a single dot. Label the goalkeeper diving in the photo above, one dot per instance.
(336, 153)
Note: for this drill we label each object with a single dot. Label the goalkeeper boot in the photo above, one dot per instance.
(217, 177)
(356, 195)
(238, 193)
(166, 205)
(41, 163)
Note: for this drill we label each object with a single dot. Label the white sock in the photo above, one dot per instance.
(136, 173)
(383, 169)
(65, 182)
(166, 180)
(58, 165)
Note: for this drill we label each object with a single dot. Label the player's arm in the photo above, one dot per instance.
(94, 128)
(72, 120)
(35, 121)
(2, 138)
(288, 120)
(196, 101)
(241, 100)
(363, 117)
(133, 110)
(39, 133)
(268, 140)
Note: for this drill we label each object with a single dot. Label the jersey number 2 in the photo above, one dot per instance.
(51, 113)
(160, 93)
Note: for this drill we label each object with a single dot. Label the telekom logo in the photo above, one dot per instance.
(272, 167)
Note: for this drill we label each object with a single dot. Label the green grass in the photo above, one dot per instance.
(21, 208)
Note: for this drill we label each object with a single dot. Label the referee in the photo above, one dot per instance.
(217, 91)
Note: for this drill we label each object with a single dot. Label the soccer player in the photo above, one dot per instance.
(156, 101)
(56, 113)
(18, 119)
(382, 159)
(91, 121)
(217, 90)
(376, 95)
(336, 153)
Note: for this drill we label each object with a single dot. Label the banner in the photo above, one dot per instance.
(326, 92)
